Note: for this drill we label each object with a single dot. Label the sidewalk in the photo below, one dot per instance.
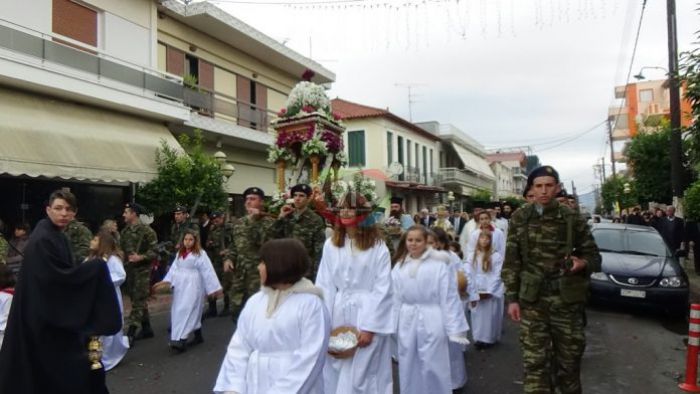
(157, 304)
(693, 279)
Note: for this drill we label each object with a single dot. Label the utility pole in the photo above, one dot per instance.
(674, 94)
(603, 167)
(612, 149)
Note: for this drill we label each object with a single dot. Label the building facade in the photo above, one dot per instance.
(516, 161)
(406, 155)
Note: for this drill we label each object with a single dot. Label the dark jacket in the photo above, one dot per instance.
(673, 232)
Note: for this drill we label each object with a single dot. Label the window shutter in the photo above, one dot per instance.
(206, 75)
(175, 61)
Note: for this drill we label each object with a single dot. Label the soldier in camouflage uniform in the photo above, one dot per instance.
(177, 231)
(138, 242)
(218, 242)
(298, 221)
(549, 258)
(249, 233)
(79, 238)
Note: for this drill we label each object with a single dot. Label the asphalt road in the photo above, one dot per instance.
(626, 352)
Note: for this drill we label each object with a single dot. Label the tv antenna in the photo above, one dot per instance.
(411, 96)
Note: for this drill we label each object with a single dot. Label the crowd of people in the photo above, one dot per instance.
(417, 290)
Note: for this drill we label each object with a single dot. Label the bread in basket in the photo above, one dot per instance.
(341, 341)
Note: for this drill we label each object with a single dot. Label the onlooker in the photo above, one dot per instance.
(17, 244)
(673, 230)
(635, 217)
(425, 219)
(7, 289)
(657, 220)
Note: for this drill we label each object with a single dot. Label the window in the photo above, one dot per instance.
(192, 66)
(408, 152)
(646, 95)
(389, 148)
(425, 164)
(417, 159)
(356, 148)
(399, 144)
(74, 21)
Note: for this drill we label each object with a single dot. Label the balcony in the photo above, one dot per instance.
(218, 105)
(69, 69)
(460, 177)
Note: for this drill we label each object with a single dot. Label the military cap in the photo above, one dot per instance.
(216, 214)
(396, 200)
(180, 208)
(541, 171)
(301, 188)
(136, 207)
(254, 190)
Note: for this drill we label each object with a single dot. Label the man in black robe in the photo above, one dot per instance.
(57, 306)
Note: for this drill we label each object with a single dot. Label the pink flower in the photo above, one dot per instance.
(282, 112)
(337, 116)
(308, 108)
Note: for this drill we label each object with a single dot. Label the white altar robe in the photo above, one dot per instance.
(498, 242)
(114, 347)
(192, 278)
(458, 369)
(427, 310)
(487, 316)
(282, 354)
(357, 291)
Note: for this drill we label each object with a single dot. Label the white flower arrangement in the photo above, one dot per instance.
(342, 158)
(275, 154)
(306, 95)
(314, 146)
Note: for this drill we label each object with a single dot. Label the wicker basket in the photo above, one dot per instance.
(461, 284)
(347, 353)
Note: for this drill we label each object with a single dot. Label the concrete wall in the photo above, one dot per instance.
(32, 14)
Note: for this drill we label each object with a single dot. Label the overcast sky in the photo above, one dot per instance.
(507, 72)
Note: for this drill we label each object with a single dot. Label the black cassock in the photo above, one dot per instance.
(57, 306)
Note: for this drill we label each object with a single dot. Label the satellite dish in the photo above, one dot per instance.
(395, 168)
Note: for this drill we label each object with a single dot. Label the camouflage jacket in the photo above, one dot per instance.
(249, 234)
(79, 238)
(140, 239)
(177, 232)
(537, 244)
(219, 240)
(4, 249)
(308, 227)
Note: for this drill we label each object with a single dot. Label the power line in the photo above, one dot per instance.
(570, 139)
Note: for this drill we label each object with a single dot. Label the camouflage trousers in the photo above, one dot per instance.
(245, 282)
(138, 288)
(553, 340)
(225, 278)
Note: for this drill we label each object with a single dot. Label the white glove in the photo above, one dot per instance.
(462, 340)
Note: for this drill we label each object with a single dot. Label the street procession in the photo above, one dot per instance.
(186, 209)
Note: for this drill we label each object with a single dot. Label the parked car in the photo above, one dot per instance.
(638, 268)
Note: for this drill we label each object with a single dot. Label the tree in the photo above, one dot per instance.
(690, 77)
(613, 191)
(648, 156)
(192, 178)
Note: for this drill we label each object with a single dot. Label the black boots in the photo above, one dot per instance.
(227, 305)
(131, 334)
(179, 346)
(211, 310)
(197, 337)
(146, 331)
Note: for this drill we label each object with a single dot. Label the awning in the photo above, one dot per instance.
(40, 136)
(415, 186)
(473, 162)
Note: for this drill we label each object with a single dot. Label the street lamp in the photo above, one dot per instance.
(641, 76)
(451, 199)
(227, 169)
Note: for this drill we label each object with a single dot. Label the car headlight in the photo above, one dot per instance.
(672, 281)
(601, 276)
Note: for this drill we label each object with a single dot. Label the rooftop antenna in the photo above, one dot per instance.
(411, 96)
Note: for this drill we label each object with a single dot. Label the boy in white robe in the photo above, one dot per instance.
(281, 339)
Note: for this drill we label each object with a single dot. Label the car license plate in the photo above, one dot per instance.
(633, 293)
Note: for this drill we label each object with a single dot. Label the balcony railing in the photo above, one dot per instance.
(86, 59)
(462, 178)
(82, 58)
(211, 103)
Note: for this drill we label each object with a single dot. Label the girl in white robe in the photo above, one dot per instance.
(484, 270)
(439, 240)
(7, 291)
(104, 246)
(192, 279)
(497, 236)
(281, 339)
(427, 313)
(355, 275)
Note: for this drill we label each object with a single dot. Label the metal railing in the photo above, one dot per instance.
(462, 177)
(83, 58)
